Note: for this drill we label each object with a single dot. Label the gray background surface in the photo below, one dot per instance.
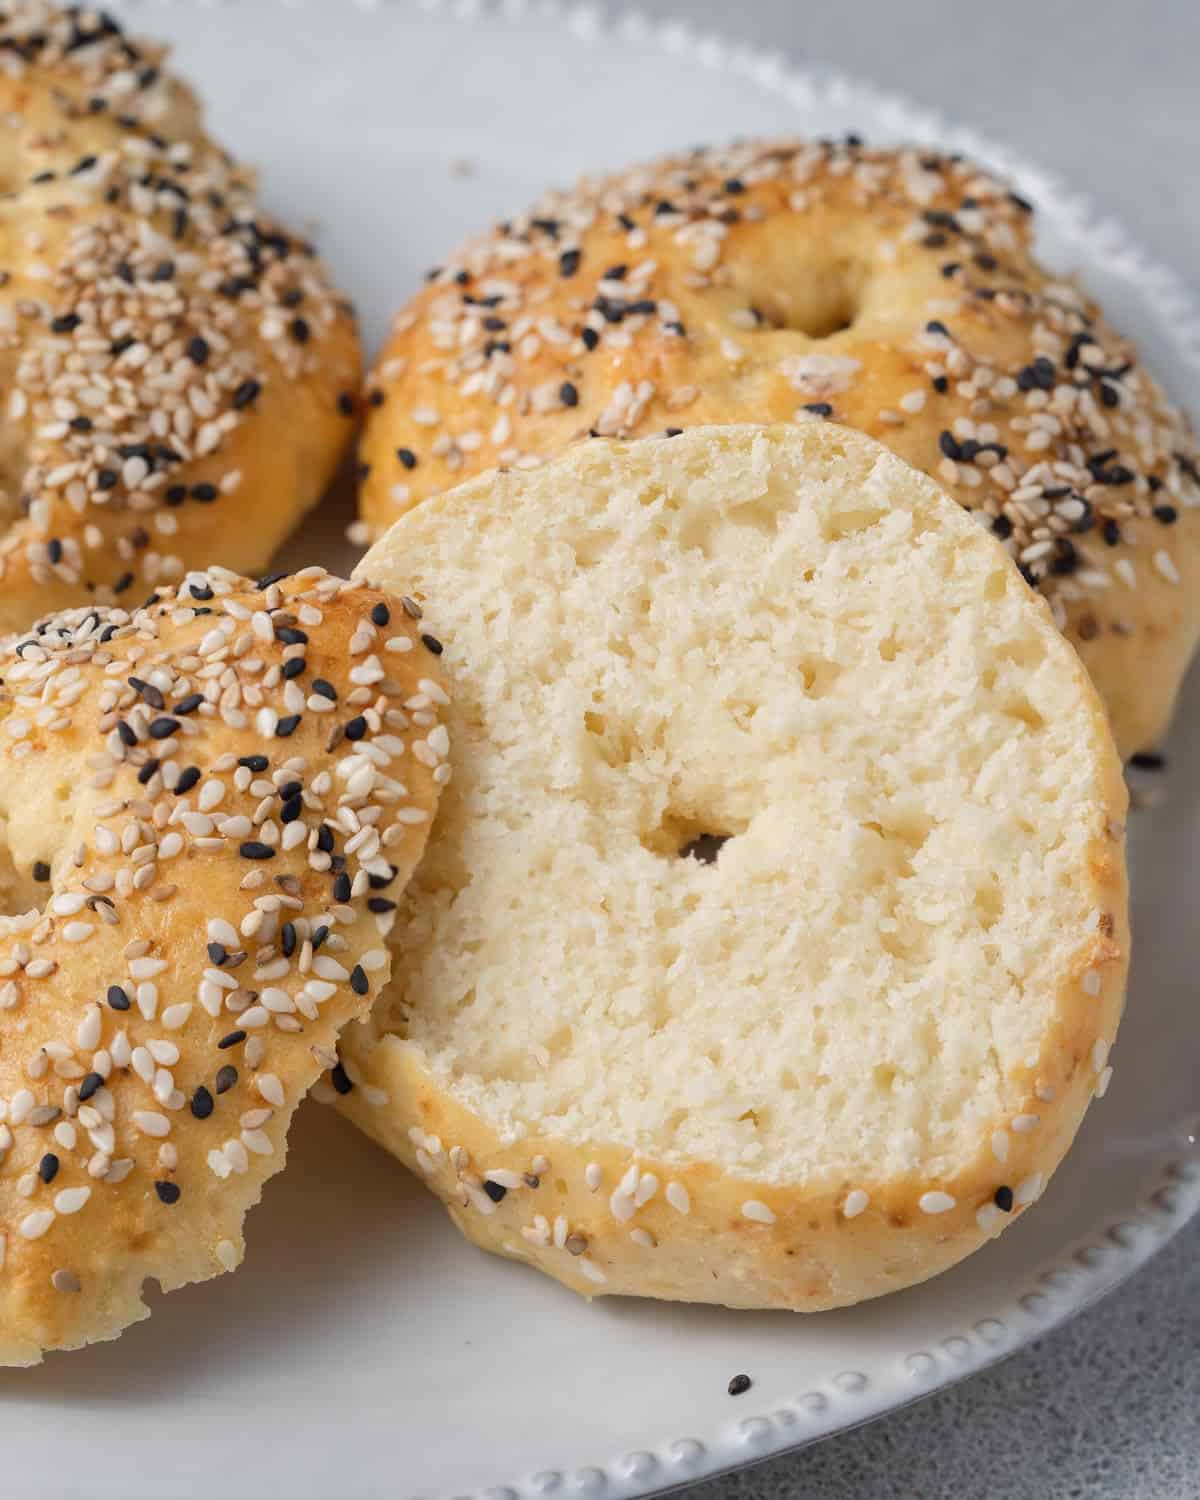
(1106, 92)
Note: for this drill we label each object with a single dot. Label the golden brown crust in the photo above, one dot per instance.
(207, 809)
(178, 367)
(713, 287)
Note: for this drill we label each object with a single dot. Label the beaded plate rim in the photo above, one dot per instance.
(1099, 1261)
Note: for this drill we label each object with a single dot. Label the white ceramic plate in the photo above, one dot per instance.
(365, 1350)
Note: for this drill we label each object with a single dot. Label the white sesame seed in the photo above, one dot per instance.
(755, 1209)
(71, 1200)
(34, 1225)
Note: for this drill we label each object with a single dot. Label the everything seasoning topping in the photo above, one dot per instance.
(624, 303)
(144, 304)
(226, 905)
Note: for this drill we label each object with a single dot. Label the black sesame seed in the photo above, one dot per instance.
(324, 689)
(48, 1167)
(218, 953)
(290, 636)
(294, 667)
(1167, 515)
(1111, 532)
(253, 762)
(380, 904)
(819, 408)
(163, 729)
(107, 479)
(705, 848)
(126, 734)
(291, 810)
(202, 1103)
(1003, 1199)
(228, 1075)
(232, 1039)
(319, 937)
(340, 1079)
(325, 839)
(1066, 558)
(246, 393)
(495, 1191)
(941, 384)
(41, 871)
(66, 323)
(949, 445)
(189, 704)
(198, 350)
(148, 772)
(117, 998)
(54, 550)
(567, 394)
(345, 404)
(299, 330)
(359, 982)
(187, 780)
(88, 1086)
(381, 882)
(168, 1192)
(568, 262)
(176, 494)
(356, 728)
(431, 643)
(590, 338)
(204, 493)
(407, 457)
(739, 1385)
(1002, 527)
(287, 726)
(287, 939)
(341, 889)
(255, 849)
(1148, 760)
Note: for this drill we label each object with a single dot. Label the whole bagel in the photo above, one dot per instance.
(207, 810)
(891, 290)
(166, 350)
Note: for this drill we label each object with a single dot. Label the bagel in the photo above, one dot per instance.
(166, 350)
(207, 809)
(772, 936)
(894, 291)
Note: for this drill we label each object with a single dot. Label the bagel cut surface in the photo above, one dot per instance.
(772, 936)
(207, 808)
(896, 291)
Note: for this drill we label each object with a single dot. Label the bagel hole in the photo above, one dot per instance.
(24, 887)
(827, 302)
(682, 836)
